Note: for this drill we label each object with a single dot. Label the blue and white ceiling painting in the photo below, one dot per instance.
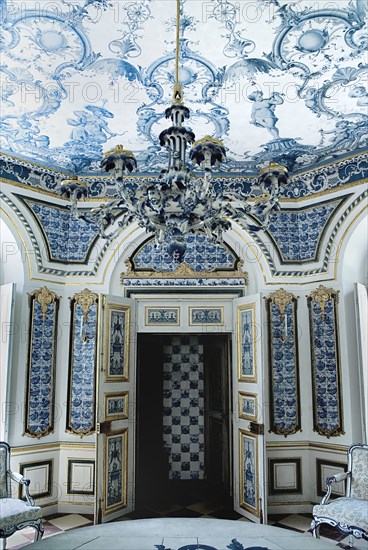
(278, 80)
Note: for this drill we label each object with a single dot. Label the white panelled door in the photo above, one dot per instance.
(248, 421)
(115, 411)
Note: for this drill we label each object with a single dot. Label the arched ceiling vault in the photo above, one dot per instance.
(276, 80)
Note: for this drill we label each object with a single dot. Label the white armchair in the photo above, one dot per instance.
(349, 514)
(15, 514)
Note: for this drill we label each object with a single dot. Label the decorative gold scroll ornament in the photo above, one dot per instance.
(44, 297)
(85, 300)
(281, 299)
(321, 296)
(183, 271)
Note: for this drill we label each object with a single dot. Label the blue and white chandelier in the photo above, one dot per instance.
(178, 202)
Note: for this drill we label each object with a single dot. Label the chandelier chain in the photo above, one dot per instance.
(177, 45)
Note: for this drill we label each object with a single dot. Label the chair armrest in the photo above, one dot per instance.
(333, 479)
(337, 478)
(18, 478)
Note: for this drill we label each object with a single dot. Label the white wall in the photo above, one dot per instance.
(354, 269)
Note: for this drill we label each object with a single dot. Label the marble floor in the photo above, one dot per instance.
(59, 523)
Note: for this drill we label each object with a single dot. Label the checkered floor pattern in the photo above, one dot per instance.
(183, 404)
(58, 523)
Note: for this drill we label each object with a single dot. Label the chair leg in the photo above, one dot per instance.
(351, 541)
(39, 530)
(3, 544)
(315, 531)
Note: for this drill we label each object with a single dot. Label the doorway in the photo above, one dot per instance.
(183, 419)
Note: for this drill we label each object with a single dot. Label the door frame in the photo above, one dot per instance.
(227, 342)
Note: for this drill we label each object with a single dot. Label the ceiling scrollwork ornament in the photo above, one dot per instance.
(85, 300)
(312, 55)
(323, 295)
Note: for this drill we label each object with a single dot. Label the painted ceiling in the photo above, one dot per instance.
(276, 80)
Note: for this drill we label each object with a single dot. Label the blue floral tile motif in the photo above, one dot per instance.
(68, 239)
(81, 414)
(200, 255)
(327, 398)
(183, 403)
(284, 369)
(39, 418)
(117, 343)
(248, 454)
(206, 316)
(246, 327)
(114, 465)
(297, 233)
(162, 316)
(178, 282)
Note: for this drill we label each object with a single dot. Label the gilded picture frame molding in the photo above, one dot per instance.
(253, 510)
(85, 299)
(148, 309)
(254, 396)
(119, 416)
(109, 308)
(281, 299)
(212, 308)
(240, 310)
(321, 296)
(45, 298)
(123, 504)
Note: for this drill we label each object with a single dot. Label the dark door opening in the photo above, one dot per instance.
(183, 428)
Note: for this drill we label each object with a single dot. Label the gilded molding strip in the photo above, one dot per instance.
(183, 271)
(284, 362)
(325, 357)
(82, 363)
(41, 358)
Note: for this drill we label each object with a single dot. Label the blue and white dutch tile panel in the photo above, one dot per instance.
(249, 473)
(40, 414)
(297, 234)
(116, 349)
(183, 402)
(200, 254)
(247, 343)
(82, 381)
(327, 398)
(285, 405)
(114, 487)
(177, 282)
(68, 239)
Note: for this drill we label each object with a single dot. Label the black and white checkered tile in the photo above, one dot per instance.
(183, 402)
